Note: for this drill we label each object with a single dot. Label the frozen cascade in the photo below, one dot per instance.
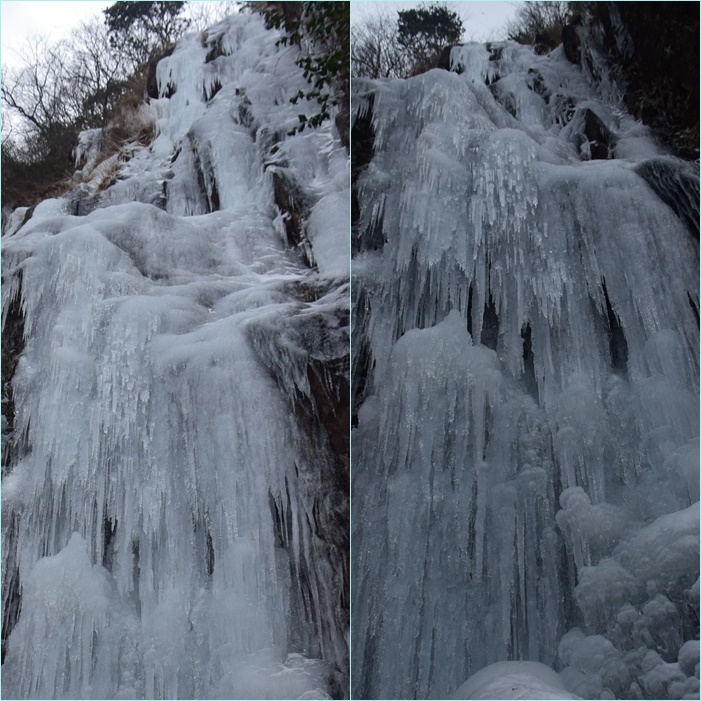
(526, 341)
(175, 498)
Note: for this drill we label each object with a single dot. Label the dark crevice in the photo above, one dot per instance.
(151, 76)
(216, 49)
(109, 529)
(209, 559)
(362, 357)
(136, 568)
(208, 185)
(12, 609)
(490, 325)
(280, 541)
(13, 343)
(294, 206)
(600, 138)
(469, 310)
(677, 186)
(618, 346)
(214, 89)
(528, 363)
(694, 308)
(246, 118)
(362, 152)
(490, 320)
(12, 600)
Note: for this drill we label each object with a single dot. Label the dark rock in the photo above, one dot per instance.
(151, 81)
(504, 98)
(292, 202)
(317, 346)
(27, 216)
(209, 94)
(363, 139)
(11, 586)
(599, 136)
(677, 186)
(564, 108)
(13, 343)
(543, 44)
(342, 122)
(215, 50)
(535, 82)
(618, 346)
(652, 50)
(85, 205)
(495, 51)
(444, 58)
(363, 135)
(82, 200)
(571, 44)
(363, 361)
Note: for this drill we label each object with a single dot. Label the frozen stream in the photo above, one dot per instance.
(526, 371)
(174, 511)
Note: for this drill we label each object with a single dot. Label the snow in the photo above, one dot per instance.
(514, 680)
(527, 438)
(159, 509)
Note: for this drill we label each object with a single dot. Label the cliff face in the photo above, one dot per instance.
(175, 503)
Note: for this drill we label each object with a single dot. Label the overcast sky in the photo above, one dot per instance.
(483, 21)
(55, 18)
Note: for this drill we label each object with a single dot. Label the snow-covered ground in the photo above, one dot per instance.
(527, 441)
(162, 511)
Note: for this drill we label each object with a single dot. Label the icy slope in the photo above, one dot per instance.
(526, 346)
(175, 507)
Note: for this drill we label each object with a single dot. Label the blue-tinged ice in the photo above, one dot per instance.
(170, 520)
(525, 463)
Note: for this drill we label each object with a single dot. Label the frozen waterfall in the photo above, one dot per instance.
(526, 372)
(175, 492)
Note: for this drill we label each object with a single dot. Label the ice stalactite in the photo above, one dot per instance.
(527, 422)
(175, 508)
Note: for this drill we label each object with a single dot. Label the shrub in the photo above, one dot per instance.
(539, 23)
(321, 29)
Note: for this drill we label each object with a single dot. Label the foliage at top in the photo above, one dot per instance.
(321, 30)
(540, 22)
(139, 28)
(426, 30)
(383, 47)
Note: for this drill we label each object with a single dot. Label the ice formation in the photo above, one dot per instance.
(175, 503)
(514, 680)
(525, 461)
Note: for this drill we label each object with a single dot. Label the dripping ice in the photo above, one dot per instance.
(163, 510)
(527, 433)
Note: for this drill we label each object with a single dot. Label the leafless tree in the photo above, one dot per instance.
(539, 22)
(96, 71)
(376, 51)
(39, 95)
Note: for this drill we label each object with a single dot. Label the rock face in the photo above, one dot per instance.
(13, 342)
(599, 136)
(677, 185)
(652, 50)
(571, 44)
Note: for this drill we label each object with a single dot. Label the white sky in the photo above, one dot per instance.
(483, 21)
(21, 19)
